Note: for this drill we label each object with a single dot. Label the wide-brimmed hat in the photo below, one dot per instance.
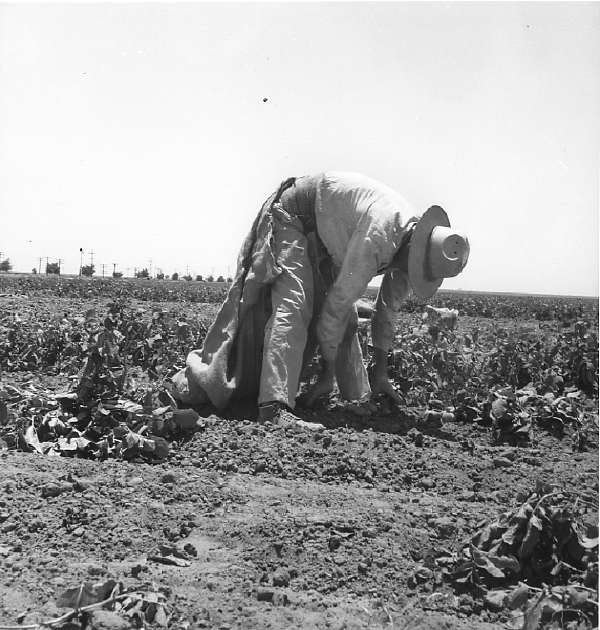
(436, 251)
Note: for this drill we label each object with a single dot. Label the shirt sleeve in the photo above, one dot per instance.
(359, 266)
(392, 292)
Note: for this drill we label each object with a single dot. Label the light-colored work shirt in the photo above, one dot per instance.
(362, 224)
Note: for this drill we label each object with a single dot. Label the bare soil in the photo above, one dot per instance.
(339, 523)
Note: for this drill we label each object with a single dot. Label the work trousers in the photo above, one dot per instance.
(290, 339)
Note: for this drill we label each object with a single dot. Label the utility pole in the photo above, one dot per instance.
(40, 265)
(151, 267)
(47, 265)
(103, 270)
(80, 260)
(92, 258)
(135, 272)
(114, 269)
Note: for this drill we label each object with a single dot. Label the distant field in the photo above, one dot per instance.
(477, 304)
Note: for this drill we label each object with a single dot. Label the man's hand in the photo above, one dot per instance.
(322, 387)
(382, 385)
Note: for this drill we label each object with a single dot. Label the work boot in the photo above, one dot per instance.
(279, 413)
(276, 412)
(270, 411)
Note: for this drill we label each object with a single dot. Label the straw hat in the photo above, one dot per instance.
(436, 252)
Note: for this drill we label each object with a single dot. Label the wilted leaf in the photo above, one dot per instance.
(185, 419)
(161, 618)
(133, 440)
(66, 445)
(524, 512)
(533, 614)
(86, 594)
(518, 597)
(3, 412)
(73, 444)
(126, 405)
(30, 438)
(161, 447)
(532, 537)
(172, 560)
(499, 408)
(552, 604)
(161, 410)
(512, 534)
(507, 563)
(482, 562)
(494, 600)
(577, 598)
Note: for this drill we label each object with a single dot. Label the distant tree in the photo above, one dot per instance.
(188, 278)
(88, 270)
(220, 279)
(34, 270)
(229, 280)
(117, 274)
(199, 278)
(167, 277)
(210, 279)
(175, 276)
(5, 265)
(53, 268)
(160, 276)
(143, 273)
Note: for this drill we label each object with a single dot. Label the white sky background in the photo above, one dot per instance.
(140, 131)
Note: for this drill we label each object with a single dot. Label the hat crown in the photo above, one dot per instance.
(448, 252)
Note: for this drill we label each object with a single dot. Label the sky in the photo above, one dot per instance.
(155, 131)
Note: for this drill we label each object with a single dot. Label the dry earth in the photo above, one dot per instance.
(340, 524)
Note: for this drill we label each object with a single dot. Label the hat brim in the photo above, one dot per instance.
(418, 273)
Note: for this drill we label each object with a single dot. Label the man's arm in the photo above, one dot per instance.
(360, 265)
(392, 292)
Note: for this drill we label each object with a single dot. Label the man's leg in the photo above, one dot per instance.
(292, 305)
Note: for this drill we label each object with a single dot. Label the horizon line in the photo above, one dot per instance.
(370, 286)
